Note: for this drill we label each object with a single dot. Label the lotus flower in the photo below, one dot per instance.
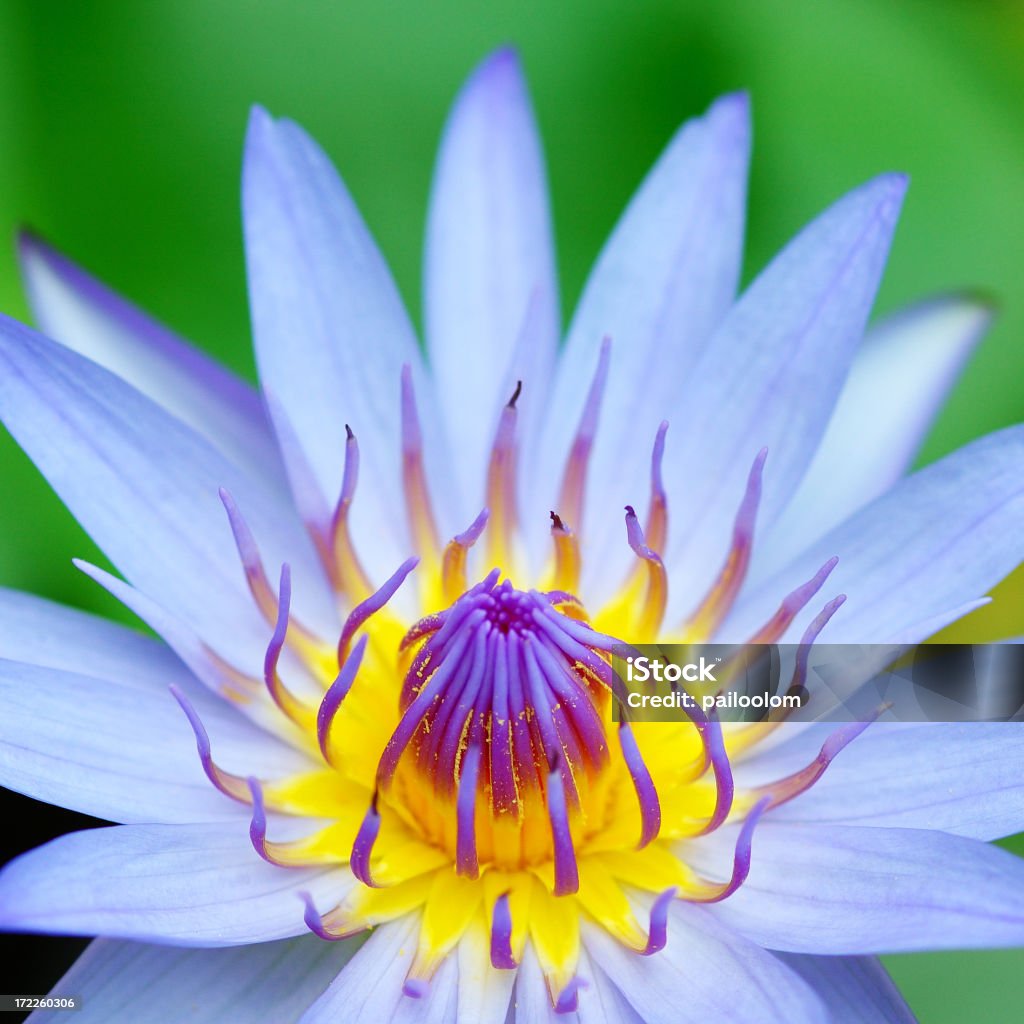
(380, 709)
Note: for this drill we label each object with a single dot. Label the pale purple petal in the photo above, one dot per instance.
(856, 989)
(72, 307)
(599, 1001)
(41, 632)
(530, 1001)
(706, 972)
(369, 989)
(943, 536)
(961, 778)
(130, 981)
(331, 334)
(770, 377)
(602, 1002)
(663, 282)
(484, 991)
(899, 379)
(187, 885)
(117, 746)
(246, 693)
(489, 259)
(837, 889)
(145, 486)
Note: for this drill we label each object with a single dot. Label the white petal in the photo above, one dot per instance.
(770, 378)
(331, 337)
(146, 486)
(942, 537)
(72, 307)
(856, 989)
(120, 749)
(489, 252)
(189, 885)
(662, 283)
(899, 380)
(128, 981)
(706, 972)
(369, 990)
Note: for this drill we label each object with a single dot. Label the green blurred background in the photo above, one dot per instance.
(121, 128)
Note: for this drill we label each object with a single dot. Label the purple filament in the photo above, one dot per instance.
(335, 696)
(501, 935)
(372, 604)
(741, 857)
(362, 848)
(230, 785)
(465, 855)
(245, 543)
(722, 769)
(314, 921)
(646, 794)
(471, 534)
(277, 691)
(657, 932)
(567, 879)
(568, 999)
(349, 479)
(258, 824)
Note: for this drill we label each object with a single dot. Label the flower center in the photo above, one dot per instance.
(470, 767)
(503, 722)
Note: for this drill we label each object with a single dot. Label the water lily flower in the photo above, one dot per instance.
(371, 769)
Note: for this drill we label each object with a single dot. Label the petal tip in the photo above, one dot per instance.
(893, 187)
(499, 75)
(734, 105)
(31, 244)
(261, 122)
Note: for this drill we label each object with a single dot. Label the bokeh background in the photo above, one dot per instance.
(121, 126)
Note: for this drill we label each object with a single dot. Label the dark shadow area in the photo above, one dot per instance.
(32, 964)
